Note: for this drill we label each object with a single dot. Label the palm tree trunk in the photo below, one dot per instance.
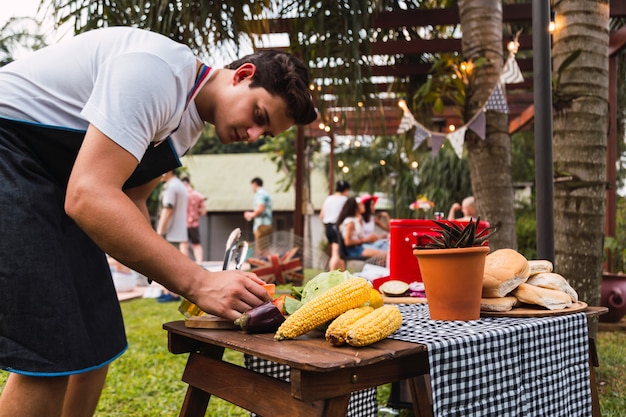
(489, 159)
(580, 135)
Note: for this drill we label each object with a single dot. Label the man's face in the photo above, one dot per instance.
(244, 114)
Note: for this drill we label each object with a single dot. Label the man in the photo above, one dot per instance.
(262, 216)
(87, 128)
(173, 219)
(467, 207)
(195, 209)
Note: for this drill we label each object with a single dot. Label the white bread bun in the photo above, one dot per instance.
(498, 304)
(394, 288)
(553, 281)
(550, 299)
(538, 266)
(505, 269)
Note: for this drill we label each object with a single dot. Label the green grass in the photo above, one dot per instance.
(146, 380)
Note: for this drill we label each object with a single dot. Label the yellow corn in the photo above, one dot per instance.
(375, 326)
(351, 293)
(338, 329)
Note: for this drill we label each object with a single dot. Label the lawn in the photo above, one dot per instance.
(146, 380)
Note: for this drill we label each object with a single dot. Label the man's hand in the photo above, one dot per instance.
(229, 294)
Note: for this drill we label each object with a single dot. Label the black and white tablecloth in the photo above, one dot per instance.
(514, 367)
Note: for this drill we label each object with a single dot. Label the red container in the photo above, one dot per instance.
(403, 234)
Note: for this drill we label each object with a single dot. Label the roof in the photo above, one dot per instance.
(225, 180)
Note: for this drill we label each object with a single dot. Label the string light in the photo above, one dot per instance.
(451, 128)
(552, 24)
(382, 162)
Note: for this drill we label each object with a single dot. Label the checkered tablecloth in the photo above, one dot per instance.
(514, 367)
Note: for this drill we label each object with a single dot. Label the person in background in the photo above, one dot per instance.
(195, 209)
(262, 217)
(329, 213)
(467, 208)
(372, 219)
(350, 223)
(87, 128)
(173, 219)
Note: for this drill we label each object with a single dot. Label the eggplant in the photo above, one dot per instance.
(265, 318)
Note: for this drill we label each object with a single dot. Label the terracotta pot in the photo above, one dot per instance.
(613, 296)
(453, 281)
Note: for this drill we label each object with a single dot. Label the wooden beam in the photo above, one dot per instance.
(522, 120)
(617, 41)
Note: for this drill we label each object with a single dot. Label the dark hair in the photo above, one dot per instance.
(282, 74)
(342, 186)
(349, 209)
(368, 210)
(258, 181)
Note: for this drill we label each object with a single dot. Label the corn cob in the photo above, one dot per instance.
(351, 293)
(338, 329)
(375, 326)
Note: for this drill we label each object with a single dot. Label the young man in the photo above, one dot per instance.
(87, 127)
(195, 209)
(261, 216)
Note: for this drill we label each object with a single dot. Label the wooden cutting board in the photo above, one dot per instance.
(208, 321)
(403, 300)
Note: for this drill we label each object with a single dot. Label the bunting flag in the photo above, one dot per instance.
(279, 269)
(457, 139)
(420, 136)
(407, 122)
(511, 74)
(436, 140)
(497, 101)
(478, 123)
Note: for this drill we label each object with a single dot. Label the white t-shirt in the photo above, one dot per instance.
(332, 208)
(131, 84)
(174, 195)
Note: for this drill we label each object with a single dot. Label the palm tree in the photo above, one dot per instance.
(489, 159)
(19, 33)
(580, 131)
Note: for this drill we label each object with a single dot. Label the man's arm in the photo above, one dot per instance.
(96, 201)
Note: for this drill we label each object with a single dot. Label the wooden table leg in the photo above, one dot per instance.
(421, 396)
(594, 362)
(336, 406)
(195, 403)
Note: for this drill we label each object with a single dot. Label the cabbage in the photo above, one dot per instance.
(317, 285)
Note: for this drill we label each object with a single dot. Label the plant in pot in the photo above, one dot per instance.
(452, 265)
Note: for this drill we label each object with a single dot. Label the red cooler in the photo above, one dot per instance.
(403, 234)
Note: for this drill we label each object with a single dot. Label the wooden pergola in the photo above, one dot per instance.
(520, 97)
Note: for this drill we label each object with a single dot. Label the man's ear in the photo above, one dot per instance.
(245, 71)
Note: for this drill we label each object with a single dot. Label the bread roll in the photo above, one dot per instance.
(550, 299)
(553, 281)
(539, 265)
(505, 269)
(498, 304)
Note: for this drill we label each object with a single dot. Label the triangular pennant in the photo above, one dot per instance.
(511, 73)
(477, 125)
(496, 101)
(407, 122)
(457, 139)
(420, 136)
(436, 140)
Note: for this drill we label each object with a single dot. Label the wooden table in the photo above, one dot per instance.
(322, 376)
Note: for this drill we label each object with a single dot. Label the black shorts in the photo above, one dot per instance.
(194, 235)
(331, 233)
(58, 307)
